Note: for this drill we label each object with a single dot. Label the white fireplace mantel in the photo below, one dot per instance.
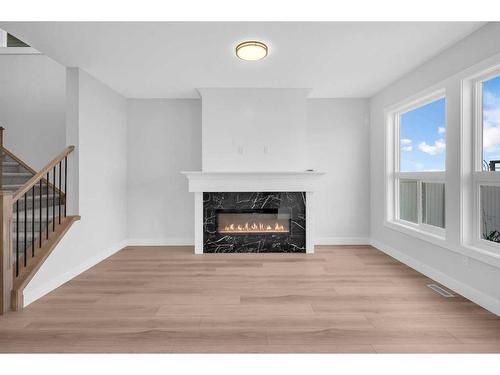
(252, 181)
(303, 181)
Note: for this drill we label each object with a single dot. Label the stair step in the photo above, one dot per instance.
(37, 196)
(37, 223)
(37, 217)
(21, 245)
(16, 174)
(37, 204)
(29, 213)
(29, 234)
(10, 167)
(11, 187)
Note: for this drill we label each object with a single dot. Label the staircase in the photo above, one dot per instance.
(29, 210)
(32, 220)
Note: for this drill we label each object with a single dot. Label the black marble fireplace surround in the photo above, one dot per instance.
(286, 235)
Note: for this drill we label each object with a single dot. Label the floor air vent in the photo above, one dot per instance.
(438, 289)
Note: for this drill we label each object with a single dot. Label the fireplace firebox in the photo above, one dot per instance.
(254, 222)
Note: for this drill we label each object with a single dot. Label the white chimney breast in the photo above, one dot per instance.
(246, 129)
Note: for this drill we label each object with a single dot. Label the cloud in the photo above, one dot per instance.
(441, 130)
(405, 141)
(491, 138)
(438, 147)
(406, 144)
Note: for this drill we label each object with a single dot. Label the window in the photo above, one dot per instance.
(490, 213)
(422, 138)
(433, 204)
(490, 94)
(486, 179)
(9, 40)
(416, 171)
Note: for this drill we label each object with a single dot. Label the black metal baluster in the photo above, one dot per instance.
(54, 199)
(33, 221)
(59, 200)
(41, 211)
(25, 228)
(47, 204)
(17, 238)
(65, 184)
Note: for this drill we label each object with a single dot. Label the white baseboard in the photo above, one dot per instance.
(34, 294)
(190, 241)
(341, 241)
(160, 242)
(489, 303)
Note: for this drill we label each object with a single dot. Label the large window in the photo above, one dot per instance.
(486, 178)
(416, 188)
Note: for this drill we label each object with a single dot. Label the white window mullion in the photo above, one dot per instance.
(419, 202)
(423, 176)
(3, 38)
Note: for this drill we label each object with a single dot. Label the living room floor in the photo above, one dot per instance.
(343, 299)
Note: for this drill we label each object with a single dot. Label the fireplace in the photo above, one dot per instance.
(254, 222)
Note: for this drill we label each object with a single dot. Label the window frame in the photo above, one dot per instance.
(480, 177)
(4, 50)
(394, 175)
(3, 39)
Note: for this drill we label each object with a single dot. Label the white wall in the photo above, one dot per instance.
(97, 126)
(32, 107)
(338, 144)
(164, 138)
(443, 261)
(253, 129)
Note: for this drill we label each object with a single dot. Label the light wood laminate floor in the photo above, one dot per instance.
(346, 299)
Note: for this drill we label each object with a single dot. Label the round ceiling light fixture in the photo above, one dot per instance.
(251, 50)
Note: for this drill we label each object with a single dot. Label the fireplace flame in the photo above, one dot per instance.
(254, 228)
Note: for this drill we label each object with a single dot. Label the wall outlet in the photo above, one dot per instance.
(240, 150)
(266, 149)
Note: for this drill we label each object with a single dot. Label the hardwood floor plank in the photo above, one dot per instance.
(343, 299)
(359, 336)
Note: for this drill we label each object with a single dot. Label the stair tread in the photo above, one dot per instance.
(25, 174)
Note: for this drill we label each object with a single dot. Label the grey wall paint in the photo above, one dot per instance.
(97, 126)
(32, 107)
(338, 144)
(164, 138)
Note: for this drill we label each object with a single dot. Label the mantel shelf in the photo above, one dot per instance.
(200, 181)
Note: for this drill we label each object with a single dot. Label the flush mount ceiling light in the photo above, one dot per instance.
(251, 50)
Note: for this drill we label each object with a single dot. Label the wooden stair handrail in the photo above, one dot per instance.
(41, 174)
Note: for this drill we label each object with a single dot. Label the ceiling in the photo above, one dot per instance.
(172, 59)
